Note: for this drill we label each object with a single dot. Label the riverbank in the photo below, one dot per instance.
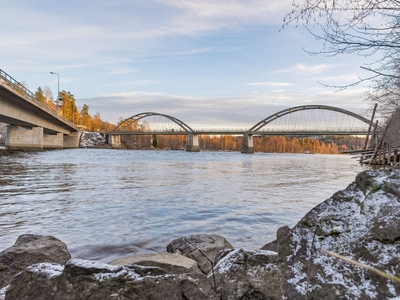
(359, 222)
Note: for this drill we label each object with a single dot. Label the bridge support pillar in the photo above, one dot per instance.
(193, 143)
(114, 140)
(247, 146)
(53, 141)
(72, 140)
(20, 137)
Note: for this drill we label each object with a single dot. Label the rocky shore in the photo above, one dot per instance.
(360, 222)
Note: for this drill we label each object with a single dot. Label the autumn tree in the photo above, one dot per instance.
(85, 116)
(39, 95)
(68, 106)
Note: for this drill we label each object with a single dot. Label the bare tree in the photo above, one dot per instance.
(363, 27)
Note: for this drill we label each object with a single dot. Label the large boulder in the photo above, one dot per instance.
(30, 249)
(203, 248)
(172, 263)
(82, 279)
(361, 222)
(248, 274)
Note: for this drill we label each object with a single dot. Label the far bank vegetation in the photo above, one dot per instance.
(268, 144)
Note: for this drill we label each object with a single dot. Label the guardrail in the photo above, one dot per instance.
(7, 80)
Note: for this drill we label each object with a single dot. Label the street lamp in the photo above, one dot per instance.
(58, 88)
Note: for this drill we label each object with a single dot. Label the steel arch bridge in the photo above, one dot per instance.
(263, 123)
(131, 126)
(133, 120)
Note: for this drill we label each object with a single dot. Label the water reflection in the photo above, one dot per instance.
(108, 203)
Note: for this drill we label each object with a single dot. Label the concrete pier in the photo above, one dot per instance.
(247, 147)
(72, 140)
(20, 137)
(114, 140)
(193, 143)
(53, 141)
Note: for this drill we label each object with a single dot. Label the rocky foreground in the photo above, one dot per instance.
(361, 222)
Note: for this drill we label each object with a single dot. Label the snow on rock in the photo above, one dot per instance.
(84, 279)
(361, 223)
(50, 270)
(3, 292)
(248, 274)
(93, 140)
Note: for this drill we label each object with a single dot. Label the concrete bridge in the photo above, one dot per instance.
(32, 123)
(320, 126)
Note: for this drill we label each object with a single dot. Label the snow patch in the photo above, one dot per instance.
(228, 262)
(47, 269)
(92, 140)
(125, 273)
(90, 264)
(3, 292)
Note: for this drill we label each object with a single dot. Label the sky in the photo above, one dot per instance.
(209, 63)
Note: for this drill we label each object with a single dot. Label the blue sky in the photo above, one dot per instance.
(213, 63)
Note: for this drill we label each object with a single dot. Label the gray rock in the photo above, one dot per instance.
(172, 263)
(280, 234)
(248, 274)
(28, 250)
(81, 279)
(361, 223)
(200, 247)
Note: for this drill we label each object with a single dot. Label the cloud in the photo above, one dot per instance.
(129, 83)
(269, 84)
(231, 10)
(305, 69)
(215, 112)
(120, 71)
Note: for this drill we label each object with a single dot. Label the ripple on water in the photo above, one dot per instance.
(109, 203)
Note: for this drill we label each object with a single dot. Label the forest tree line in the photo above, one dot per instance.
(269, 144)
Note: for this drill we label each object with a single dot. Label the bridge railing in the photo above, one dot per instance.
(219, 130)
(7, 80)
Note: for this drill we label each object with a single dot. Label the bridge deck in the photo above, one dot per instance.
(18, 109)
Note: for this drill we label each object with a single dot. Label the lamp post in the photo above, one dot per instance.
(58, 88)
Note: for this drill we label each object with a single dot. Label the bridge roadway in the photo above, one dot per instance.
(32, 124)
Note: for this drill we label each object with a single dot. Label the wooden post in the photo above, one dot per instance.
(383, 154)
(389, 156)
(374, 135)
(395, 156)
(375, 156)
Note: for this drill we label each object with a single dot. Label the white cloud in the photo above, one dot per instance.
(120, 71)
(129, 83)
(305, 69)
(208, 112)
(269, 84)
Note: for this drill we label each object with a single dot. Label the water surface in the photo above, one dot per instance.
(109, 203)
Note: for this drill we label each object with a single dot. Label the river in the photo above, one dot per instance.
(106, 204)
